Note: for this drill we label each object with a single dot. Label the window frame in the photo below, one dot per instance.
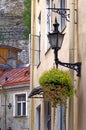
(38, 43)
(15, 104)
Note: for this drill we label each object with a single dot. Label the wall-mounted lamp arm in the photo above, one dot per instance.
(75, 66)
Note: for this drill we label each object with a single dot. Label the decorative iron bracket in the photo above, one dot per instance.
(9, 105)
(75, 66)
(65, 13)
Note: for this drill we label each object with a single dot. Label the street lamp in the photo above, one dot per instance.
(56, 39)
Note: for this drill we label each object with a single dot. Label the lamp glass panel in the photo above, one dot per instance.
(53, 40)
(60, 40)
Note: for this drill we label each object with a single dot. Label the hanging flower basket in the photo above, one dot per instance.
(57, 86)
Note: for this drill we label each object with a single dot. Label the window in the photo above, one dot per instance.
(48, 5)
(62, 20)
(38, 51)
(20, 104)
(38, 117)
(37, 39)
(48, 22)
(47, 115)
(61, 119)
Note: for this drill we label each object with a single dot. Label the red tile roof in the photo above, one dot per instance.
(15, 76)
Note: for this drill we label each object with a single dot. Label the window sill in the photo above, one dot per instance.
(20, 116)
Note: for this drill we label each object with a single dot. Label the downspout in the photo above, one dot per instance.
(5, 111)
(71, 59)
(33, 6)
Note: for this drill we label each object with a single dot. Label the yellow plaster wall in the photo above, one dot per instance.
(82, 57)
(47, 60)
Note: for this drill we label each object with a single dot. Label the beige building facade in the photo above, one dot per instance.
(42, 58)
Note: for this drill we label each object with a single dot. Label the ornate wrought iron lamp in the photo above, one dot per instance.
(56, 39)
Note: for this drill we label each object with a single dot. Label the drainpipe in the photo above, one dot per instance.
(71, 59)
(33, 6)
(5, 112)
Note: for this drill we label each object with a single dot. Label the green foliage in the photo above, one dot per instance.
(27, 14)
(56, 76)
(26, 34)
(59, 82)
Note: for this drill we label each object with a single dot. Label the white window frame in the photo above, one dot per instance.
(38, 59)
(14, 103)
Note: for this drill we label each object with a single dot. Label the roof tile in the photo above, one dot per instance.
(15, 76)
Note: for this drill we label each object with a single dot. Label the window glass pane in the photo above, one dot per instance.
(48, 23)
(19, 98)
(63, 118)
(24, 108)
(38, 50)
(19, 109)
(61, 18)
(23, 98)
(38, 118)
(37, 47)
(49, 108)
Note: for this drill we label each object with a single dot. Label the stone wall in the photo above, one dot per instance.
(11, 17)
(14, 7)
